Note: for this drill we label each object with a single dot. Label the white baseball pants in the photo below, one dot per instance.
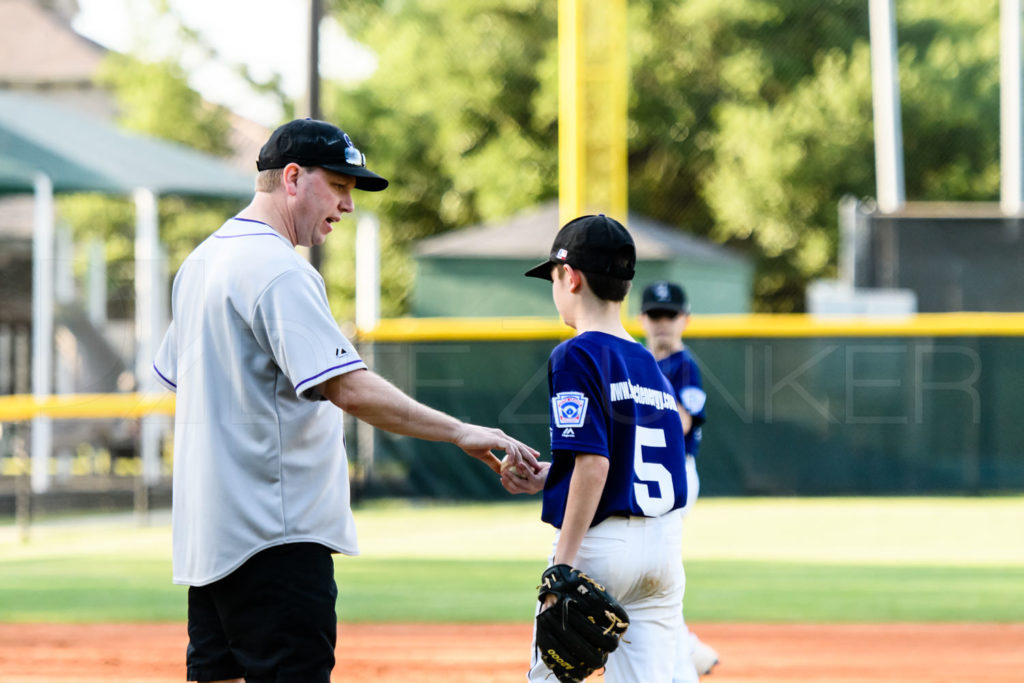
(639, 561)
(685, 671)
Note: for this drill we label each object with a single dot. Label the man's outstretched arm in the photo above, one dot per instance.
(371, 398)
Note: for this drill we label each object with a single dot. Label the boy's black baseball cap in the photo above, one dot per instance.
(593, 244)
(664, 296)
(309, 142)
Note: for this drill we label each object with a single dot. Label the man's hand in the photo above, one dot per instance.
(524, 479)
(480, 442)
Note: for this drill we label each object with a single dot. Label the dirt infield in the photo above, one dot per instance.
(389, 653)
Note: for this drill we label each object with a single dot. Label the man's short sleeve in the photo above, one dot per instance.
(293, 323)
(165, 365)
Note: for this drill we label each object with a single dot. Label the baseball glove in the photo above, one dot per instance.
(576, 634)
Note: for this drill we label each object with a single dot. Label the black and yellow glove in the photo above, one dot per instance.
(576, 634)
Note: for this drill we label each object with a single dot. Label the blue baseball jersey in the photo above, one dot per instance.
(684, 375)
(609, 397)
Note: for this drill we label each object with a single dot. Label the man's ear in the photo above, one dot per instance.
(290, 178)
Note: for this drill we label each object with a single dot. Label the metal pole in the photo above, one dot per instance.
(848, 206)
(316, 12)
(1010, 107)
(367, 315)
(22, 487)
(885, 86)
(42, 328)
(146, 253)
(147, 317)
(367, 272)
(97, 285)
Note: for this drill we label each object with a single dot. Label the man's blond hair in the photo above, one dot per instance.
(269, 180)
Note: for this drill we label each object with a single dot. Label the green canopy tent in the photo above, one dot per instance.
(81, 153)
(46, 148)
(15, 176)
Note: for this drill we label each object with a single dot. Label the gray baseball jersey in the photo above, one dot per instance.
(259, 457)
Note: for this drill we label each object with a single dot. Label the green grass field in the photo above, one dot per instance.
(795, 560)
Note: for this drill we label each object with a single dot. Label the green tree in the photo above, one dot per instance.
(461, 115)
(155, 98)
(749, 119)
(781, 163)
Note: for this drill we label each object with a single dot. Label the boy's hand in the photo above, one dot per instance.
(523, 478)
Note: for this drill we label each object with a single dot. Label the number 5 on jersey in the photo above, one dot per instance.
(651, 475)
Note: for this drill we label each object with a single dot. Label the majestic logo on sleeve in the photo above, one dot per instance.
(570, 409)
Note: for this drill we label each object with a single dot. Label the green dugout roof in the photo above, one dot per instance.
(15, 176)
(81, 153)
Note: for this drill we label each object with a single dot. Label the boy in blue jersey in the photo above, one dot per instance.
(616, 483)
(665, 315)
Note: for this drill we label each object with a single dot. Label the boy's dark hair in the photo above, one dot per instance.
(608, 288)
(605, 287)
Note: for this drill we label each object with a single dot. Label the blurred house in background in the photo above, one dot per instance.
(42, 56)
(478, 271)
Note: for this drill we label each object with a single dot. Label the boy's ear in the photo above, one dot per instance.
(575, 278)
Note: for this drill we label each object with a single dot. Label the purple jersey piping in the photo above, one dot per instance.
(334, 367)
(249, 234)
(157, 371)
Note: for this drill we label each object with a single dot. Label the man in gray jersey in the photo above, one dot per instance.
(261, 491)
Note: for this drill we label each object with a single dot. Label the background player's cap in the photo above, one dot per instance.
(593, 244)
(309, 142)
(664, 296)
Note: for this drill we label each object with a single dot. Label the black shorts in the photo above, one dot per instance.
(272, 620)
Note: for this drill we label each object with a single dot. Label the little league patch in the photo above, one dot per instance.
(570, 409)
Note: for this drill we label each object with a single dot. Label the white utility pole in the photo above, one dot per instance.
(149, 323)
(885, 86)
(42, 328)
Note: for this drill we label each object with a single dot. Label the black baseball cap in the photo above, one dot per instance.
(593, 244)
(664, 296)
(309, 142)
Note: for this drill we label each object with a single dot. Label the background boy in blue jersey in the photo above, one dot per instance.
(665, 314)
(617, 482)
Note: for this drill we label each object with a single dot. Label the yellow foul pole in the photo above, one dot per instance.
(592, 107)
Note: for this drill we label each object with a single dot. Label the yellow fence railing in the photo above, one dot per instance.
(21, 407)
(706, 326)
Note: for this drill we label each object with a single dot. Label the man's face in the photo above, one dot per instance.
(322, 198)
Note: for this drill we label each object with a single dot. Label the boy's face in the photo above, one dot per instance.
(561, 292)
(663, 327)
